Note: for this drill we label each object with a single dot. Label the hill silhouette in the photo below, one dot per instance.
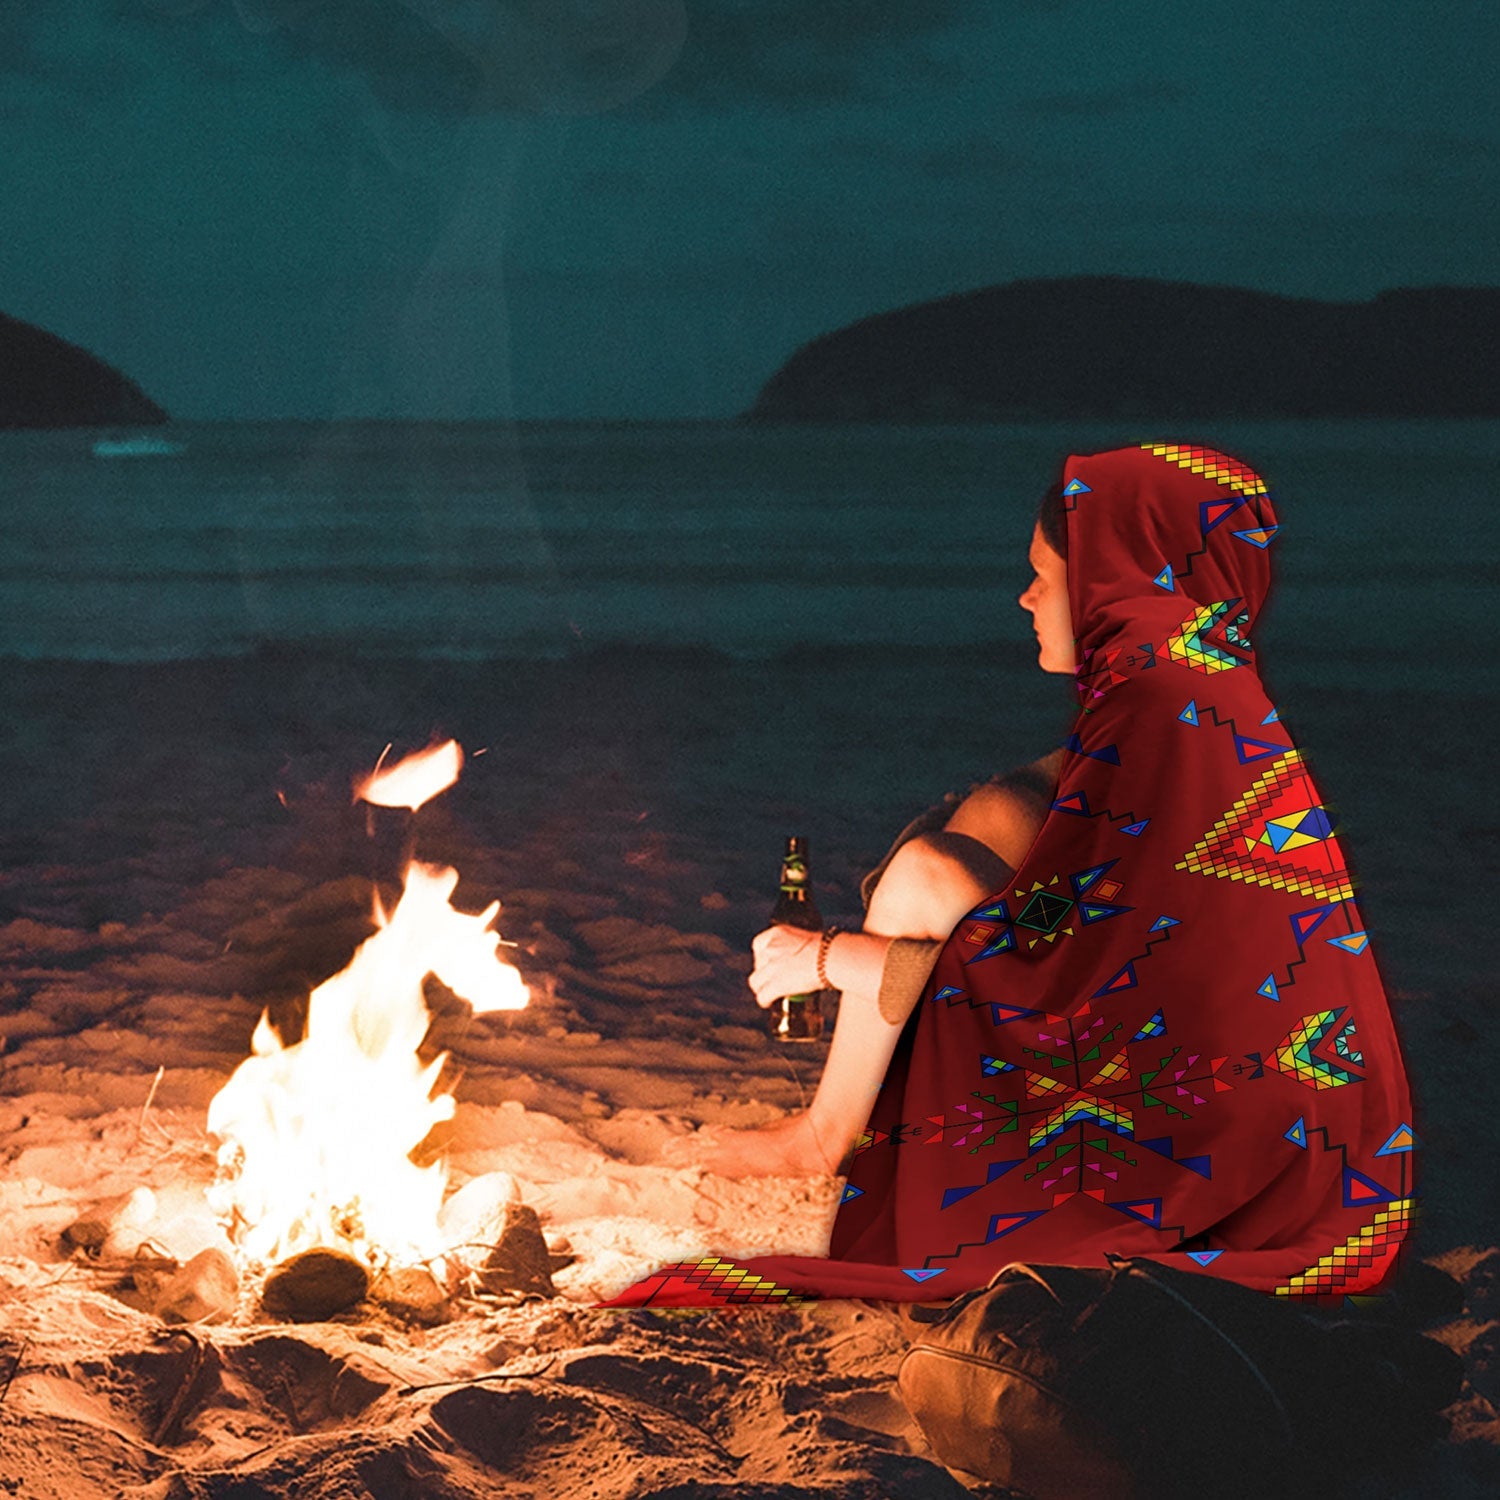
(47, 382)
(1126, 347)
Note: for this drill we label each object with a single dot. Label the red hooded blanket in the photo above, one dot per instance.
(1167, 1036)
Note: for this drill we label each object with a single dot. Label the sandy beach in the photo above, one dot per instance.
(186, 857)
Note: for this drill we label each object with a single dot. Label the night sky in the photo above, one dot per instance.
(639, 208)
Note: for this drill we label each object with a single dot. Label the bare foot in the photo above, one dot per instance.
(788, 1149)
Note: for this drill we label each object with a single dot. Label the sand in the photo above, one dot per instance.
(149, 920)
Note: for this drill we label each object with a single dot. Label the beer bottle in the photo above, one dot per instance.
(797, 1018)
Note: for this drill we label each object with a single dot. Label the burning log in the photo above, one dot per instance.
(317, 1136)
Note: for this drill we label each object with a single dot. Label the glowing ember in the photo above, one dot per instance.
(414, 779)
(316, 1137)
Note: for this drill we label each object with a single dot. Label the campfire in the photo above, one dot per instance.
(316, 1184)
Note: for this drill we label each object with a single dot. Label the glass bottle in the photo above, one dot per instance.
(797, 1018)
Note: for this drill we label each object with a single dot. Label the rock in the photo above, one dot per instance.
(1482, 1286)
(412, 1294)
(520, 1261)
(1483, 1360)
(1427, 1295)
(115, 1225)
(205, 1290)
(151, 1272)
(315, 1284)
(473, 1219)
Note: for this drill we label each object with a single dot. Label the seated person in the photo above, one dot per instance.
(942, 866)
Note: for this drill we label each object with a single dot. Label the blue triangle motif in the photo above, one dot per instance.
(1147, 1210)
(1189, 715)
(1199, 1164)
(1083, 879)
(1297, 1135)
(923, 1275)
(1224, 508)
(1305, 923)
(1004, 943)
(1272, 718)
(1250, 751)
(1163, 580)
(1001, 1013)
(952, 1195)
(1353, 942)
(1098, 911)
(1124, 980)
(947, 992)
(1257, 536)
(850, 1191)
(1076, 487)
(1402, 1138)
(1204, 1257)
(1268, 989)
(1316, 823)
(1011, 1223)
(1134, 829)
(1163, 921)
(1360, 1190)
(1110, 753)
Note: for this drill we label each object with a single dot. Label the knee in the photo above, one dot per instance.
(931, 881)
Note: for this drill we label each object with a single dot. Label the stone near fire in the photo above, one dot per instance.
(1482, 1358)
(205, 1290)
(151, 1271)
(1482, 1284)
(520, 1261)
(473, 1218)
(315, 1284)
(114, 1226)
(412, 1294)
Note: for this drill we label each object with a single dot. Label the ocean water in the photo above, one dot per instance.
(488, 542)
(740, 629)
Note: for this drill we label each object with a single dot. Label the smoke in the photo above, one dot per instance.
(569, 57)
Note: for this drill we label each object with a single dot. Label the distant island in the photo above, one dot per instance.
(47, 382)
(1127, 347)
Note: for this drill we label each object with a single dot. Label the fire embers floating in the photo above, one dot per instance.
(316, 1137)
(412, 780)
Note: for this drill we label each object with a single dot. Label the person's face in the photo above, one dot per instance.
(1047, 599)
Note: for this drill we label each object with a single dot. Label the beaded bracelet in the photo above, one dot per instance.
(825, 942)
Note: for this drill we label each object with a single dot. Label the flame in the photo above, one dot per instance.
(316, 1136)
(412, 780)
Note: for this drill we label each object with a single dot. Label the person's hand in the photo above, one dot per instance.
(786, 963)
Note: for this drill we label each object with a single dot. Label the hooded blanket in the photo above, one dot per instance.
(1167, 1036)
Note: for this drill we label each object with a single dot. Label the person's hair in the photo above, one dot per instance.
(1053, 519)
